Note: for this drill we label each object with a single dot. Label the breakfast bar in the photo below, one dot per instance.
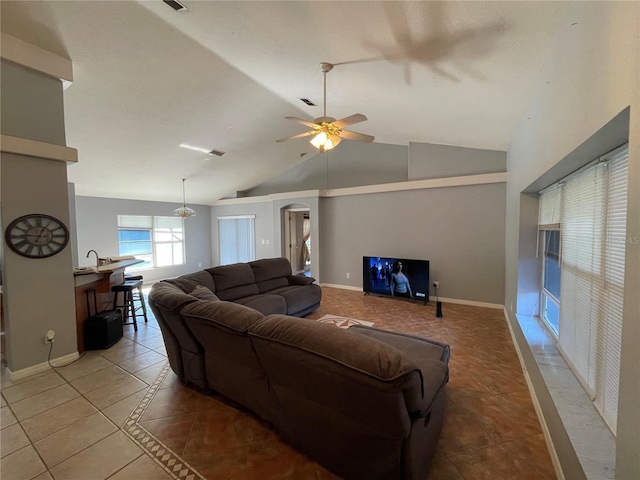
(99, 279)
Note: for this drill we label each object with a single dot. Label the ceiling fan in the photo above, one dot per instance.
(327, 131)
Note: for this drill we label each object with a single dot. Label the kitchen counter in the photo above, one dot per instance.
(98, 280)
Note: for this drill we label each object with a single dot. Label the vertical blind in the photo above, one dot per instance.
(236, 237)
(592, 217)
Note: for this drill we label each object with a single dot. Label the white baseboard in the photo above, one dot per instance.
(473, 303)
(42, 367)
(343, 287)
(442, 299)
(536, 404)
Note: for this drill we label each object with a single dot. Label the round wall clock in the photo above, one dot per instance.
(36, 235)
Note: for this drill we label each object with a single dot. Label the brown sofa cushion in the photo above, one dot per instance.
(369, 356)
(228, 314)
(271, 273)
(170, 296)
(203, 293)
(233, 281)
(187, 283)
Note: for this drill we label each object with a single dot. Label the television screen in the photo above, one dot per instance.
(397, 277)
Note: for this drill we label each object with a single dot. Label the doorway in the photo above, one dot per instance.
(297, 239)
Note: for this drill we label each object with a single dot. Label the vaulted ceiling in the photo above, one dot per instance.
(223, 75)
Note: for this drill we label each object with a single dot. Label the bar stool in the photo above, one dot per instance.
(127, 305)
(138, 296)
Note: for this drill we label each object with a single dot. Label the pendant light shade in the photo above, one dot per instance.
(184, 211)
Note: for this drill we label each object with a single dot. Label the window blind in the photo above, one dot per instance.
(611, 295)
(593, 237)
(550, 212)
(582, 234)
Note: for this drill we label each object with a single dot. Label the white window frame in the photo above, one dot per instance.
(156, 232)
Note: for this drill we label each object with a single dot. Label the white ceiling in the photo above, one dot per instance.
(224, 74)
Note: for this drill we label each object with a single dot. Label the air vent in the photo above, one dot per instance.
(177, 6)
(308, 102)
(216, 152)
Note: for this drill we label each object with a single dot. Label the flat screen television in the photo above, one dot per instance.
(397, 277)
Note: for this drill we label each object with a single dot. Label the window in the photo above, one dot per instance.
(583, 224)
(236, 239)
(159, 241)
(551, 280)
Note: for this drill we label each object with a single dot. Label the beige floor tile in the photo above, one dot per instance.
(98, 379)
(123, 342)
(144, 332)
(143, 468)
(116, 391)
(100, 460)
(24, 464)
(7, 418)
(43, 401)
(142, 361)
(162, 350)
(119, 411)
(6, 382)
(92, 362)
(32, 387)
(124, 353)
(72, 439)
(44, 476)
(149, 374)
(12, 439)
(153, 342)
(46, 423)
(3, 402)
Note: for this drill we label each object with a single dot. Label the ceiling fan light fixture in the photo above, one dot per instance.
(324, 142)
(184, 211)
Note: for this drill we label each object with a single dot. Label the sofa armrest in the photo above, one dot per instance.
(300, 280)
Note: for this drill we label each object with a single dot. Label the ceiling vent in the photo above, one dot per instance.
(177, 6)
(216, 152)
(308, 102)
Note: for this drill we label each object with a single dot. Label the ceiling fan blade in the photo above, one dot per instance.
(293, 137)
(303, 122)
(350, 120)
(356, 136)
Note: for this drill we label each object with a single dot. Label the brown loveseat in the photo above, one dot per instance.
(364, 402)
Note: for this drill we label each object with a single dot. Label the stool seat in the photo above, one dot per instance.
(126, 286)
(131, 291)
(133, 277)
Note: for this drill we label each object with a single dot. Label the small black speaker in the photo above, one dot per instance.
(103, 330)
(439, 309)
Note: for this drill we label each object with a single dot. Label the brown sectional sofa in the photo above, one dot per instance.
(365, 403)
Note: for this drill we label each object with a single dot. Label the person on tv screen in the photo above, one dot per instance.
(399, 285)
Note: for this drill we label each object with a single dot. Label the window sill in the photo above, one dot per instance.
(593, 442)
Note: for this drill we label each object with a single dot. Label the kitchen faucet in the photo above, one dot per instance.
(97, 258)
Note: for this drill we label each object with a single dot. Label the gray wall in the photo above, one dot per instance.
(263, 227)
(38, 293)
(591, 75)
(427, 160)
(97, 225)
(32, 105)
(269, 227)
(460, 230)
(349, 164)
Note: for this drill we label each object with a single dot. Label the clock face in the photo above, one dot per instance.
(36, 235)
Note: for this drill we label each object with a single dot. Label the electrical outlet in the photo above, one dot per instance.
(49, 336)
(436, 284)
(348, 275)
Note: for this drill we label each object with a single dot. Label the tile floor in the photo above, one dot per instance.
(122, 414)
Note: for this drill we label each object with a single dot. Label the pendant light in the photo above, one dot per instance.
(184, 211)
